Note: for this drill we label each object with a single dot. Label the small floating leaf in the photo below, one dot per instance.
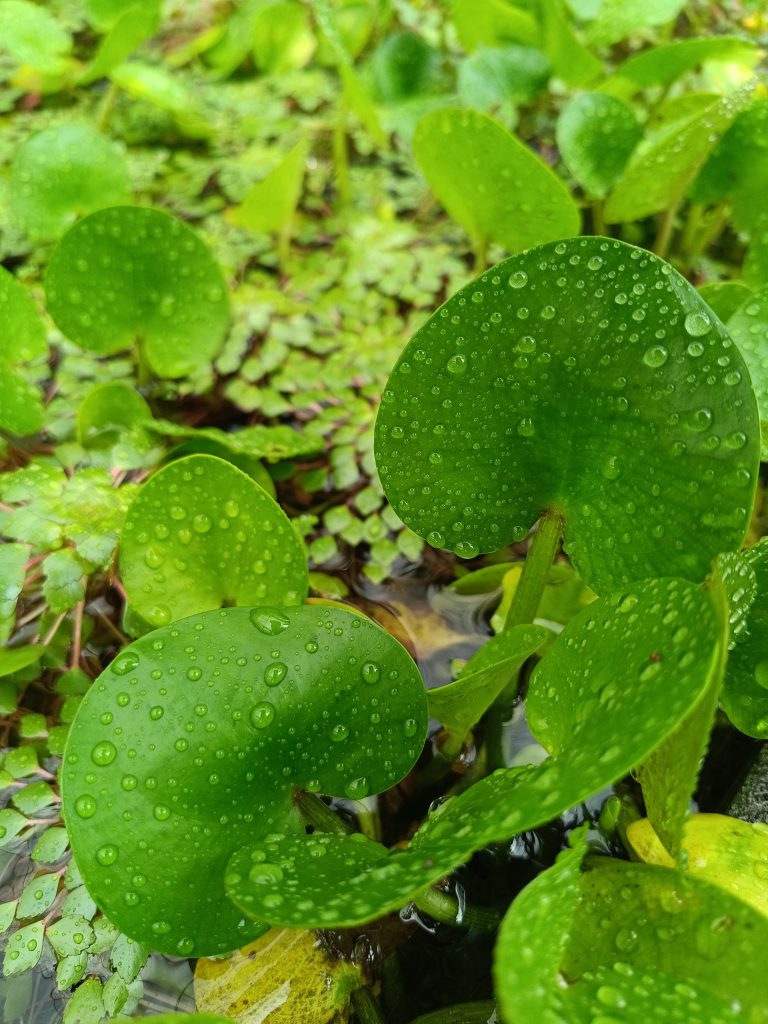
(131, 275)
(201, 534)
(491, 183)
(596, 135)
(62, 173)
(190, 745)
(547, 383)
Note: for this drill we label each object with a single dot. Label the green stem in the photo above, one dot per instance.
(598, 218)
(317, 812)
(367, 813)
(712, 227)
(447, 910)
(367, 1009)
(688, 242)
(541, 555)
(461, 1013)
(107, 106)
(340, 155)
(480, 249)
(666, 228)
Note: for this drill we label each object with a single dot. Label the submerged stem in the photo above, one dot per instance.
(541, 555)
(447, 909)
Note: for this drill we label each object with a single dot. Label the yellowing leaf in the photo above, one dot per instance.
(284, 977)
(725, 851)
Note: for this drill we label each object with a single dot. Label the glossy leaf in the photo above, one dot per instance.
(725, 851)
(724, 297)
(22, 339)
(492, 23)
(745, 694)
(15, 658)
(283, 39)
(181, 753)
(31, 35)
(135, 276)
(286, 972)
(270, 204)
(643, 943)
(748, 327)
(492, 184)
(662, 64)
(200, 534)
(550, 382)
(596, 135)
(24, 948)
(495, 666)
(62, 173)
(666, 162)
(601, 707)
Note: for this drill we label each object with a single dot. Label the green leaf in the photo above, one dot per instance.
(528, 400)
(21, 762)
(283, 39)
(157, 800)
(115, 995)
(492, 184)
(748, 327)
(273, 443)
(495, 666)
(617, 19)
(662, 64)
(13, 558)
(24, 949)
(668, 778)
(22, 339)
(86, 1005)
(70, 935)
(105, 14)
(724, 297)
(34, 797)
(13, 659)
(724, 851)
(128, 958)
(596, 135)
(62, 173)
(155, 85)
(63, 586)
(403, 66)
(493, 77)
(11, 823)
(37, 896)
(135, 276)
(666, 162)
(492, 23)
(640, 945)
(31, 35)
(134, 25)
(745, 693)
(571, 61)
(270, 204)
(755, 270)
(111, 413)
(601, 707)
(201, 534)
(51, 846)
(7, 915)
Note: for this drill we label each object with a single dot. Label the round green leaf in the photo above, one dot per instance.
(109, 412)
(596, 135)
(586, 377)
(135, 276)
(724, 297)
(748, 327)
(498, 76)
(403, 66)
(62, 173)
(492, 184)
(31, 35)
(745, 693)
(192, 742)
(22, 339)
(283, 39)
(616, 682)
(201, 534)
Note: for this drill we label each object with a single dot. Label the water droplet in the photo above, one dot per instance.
(525, 427)
(409, 727)
(357, 789)
(467, 549)
(161, 812)
(339, 732)
(275, 673)
(156, 713)
(129, 782)
(457, 364)
(265, 873)
(201, 523)
(697, 324)
(107, 855)
(370, 672)
(518, 280)
(125, 663)
(85, 806)
(194, 673)
(269, 620)
(262, 715)
(655, 356)
(435, 539)
(104, 753)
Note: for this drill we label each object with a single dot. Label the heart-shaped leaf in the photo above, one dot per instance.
(596, 134)
(615, 683)
(629, 942)
(745, 693)
(200, 534)
(491, 183)
(748, 327)
(667, 160)
(22, 339)
(725, 851)
(62, 173)
(192, 742)
(135, 276)
(495, 666)
(586, 377)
